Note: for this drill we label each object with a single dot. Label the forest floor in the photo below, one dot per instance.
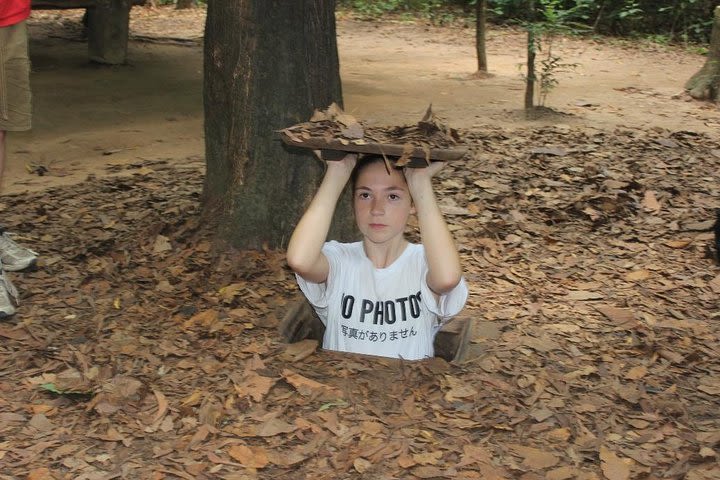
(139, 353)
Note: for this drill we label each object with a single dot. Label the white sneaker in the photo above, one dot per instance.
(8, 295)
(13, 256)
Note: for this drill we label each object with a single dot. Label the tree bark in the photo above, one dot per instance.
(108, 31)
(705, 84)
(183, 4)
(480, 34)
(531, 76)
(268, 65)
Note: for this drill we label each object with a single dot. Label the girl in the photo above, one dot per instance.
(381, 295)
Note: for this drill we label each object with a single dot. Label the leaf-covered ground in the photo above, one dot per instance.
(139, 353)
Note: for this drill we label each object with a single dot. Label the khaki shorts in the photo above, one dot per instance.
(15, 101)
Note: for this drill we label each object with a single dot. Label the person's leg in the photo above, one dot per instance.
(8, 295)
(15, 94)
(7, 306)
(2, 155)
(452, 340)
(301, 322)
(15, 115)
(7, 289)
(13, 257)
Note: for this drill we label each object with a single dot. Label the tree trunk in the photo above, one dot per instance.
(108, 31)
(182, 4)
(705, 84)
(531, 76)
(268, 65)
(480, 34)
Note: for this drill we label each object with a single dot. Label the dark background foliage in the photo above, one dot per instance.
(663, 20)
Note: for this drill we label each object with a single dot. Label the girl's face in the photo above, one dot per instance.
(382, 203)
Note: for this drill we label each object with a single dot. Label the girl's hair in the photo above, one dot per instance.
(364, 162)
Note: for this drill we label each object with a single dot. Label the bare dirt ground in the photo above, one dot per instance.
(87, 115)
(140, 353)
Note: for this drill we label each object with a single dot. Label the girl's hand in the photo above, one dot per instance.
(343, 166)
(417, 176)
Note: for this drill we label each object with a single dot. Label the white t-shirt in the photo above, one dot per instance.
(390, 312)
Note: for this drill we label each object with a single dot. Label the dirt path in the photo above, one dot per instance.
(88, 116)
(400, 68)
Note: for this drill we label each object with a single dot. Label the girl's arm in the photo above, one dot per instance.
(304, 251)
(443, 259)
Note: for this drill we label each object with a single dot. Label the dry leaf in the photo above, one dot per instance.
(699, 226)
(229, 292)
(361, 465)
(535, 458)
(273, 427)
(286, 458)
(584, 295)
(372, 428)
(298, 351)
(304, 385)
(354, 130)
(458, 389)
(254, 385)
(620, 316)
(193, 399)
(474, 454)
(404, 158)
(162, 244)
(319, 116)
(555, 151)
(249, 456)
(410, 408)
(163, 406)
(715, 284)
(205, 319)
(427, 458)
(706, 452)
(650, 202)
(406, 461)
(562, 473)
(614, 467)
(42, 473)
(636, 373)
(637, 275)
(710, 385)
(332, 423)
(679, 243)
(428, 472)
(559, 434)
